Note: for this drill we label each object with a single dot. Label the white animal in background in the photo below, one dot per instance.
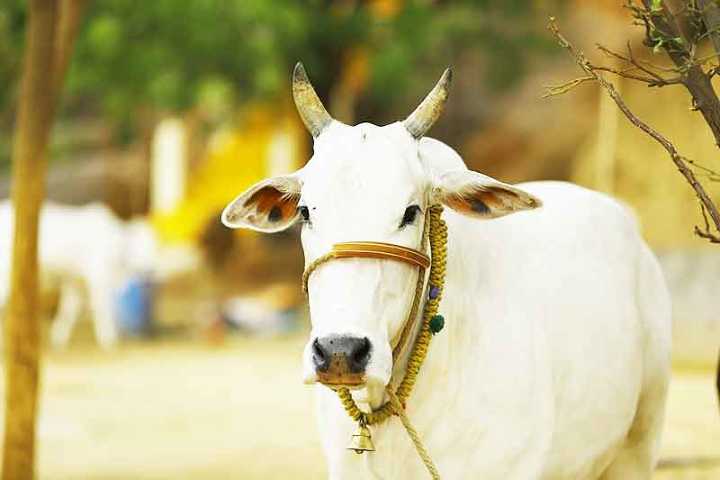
(554, 362)
(92, 251)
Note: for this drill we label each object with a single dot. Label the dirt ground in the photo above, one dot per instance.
(183, 411)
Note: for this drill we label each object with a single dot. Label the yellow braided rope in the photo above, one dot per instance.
(313, 265)
(419, 286)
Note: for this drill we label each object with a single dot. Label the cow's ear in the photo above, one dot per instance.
(480, 196)
(268, 206)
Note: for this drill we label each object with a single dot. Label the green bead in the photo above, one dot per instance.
(437, 322)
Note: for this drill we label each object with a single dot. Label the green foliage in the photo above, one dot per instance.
(12, 23)
(423, 39)
(166, 55)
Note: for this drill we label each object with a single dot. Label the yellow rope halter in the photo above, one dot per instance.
(436, 229)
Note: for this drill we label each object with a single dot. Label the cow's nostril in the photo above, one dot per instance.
(363, 350)
(359, 354)
(320, 356)
(317, 349)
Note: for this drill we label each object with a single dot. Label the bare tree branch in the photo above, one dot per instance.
(709, 173)
(678, 160)
(552, 90)
(706, 232)
(653, 80)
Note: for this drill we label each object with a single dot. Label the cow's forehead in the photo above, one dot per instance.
(364, 162)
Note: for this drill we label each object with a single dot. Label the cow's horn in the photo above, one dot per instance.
(430, 109)
(309, 106)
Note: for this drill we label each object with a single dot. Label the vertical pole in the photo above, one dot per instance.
(168, 165)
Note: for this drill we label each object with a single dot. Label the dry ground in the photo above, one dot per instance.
(178, 411)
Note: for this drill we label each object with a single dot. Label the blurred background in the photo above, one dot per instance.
(174, 344)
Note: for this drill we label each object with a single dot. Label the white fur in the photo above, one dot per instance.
(554, 360)
(89, 248)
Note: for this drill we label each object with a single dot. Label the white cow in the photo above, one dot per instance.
(91, 249)
(554, 362)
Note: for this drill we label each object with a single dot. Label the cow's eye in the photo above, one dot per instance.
(409, 216)
(304, 213)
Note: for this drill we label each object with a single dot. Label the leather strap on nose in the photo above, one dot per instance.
(379, 250)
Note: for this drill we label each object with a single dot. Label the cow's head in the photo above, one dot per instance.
(366, 183)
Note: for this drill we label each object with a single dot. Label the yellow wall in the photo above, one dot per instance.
(236, 158)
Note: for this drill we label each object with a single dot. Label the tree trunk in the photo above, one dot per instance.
(45, 62)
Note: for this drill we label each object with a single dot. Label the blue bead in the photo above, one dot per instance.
(434, 291)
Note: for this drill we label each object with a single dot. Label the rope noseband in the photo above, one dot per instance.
(436, 231)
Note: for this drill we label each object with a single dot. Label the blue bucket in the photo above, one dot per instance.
(134, 307)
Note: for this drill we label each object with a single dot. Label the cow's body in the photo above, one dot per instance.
(88, 248)
(554, 359)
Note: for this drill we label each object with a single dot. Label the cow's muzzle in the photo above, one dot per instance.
(341, 360)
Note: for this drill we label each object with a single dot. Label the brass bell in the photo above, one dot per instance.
(361, 441)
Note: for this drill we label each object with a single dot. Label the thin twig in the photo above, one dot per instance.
(656, 80)
(708, 172)
(632, 60)
(706, 203)
(552, 90)
(706, 232)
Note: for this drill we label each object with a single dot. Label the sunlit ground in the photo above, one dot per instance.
(177, 411)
